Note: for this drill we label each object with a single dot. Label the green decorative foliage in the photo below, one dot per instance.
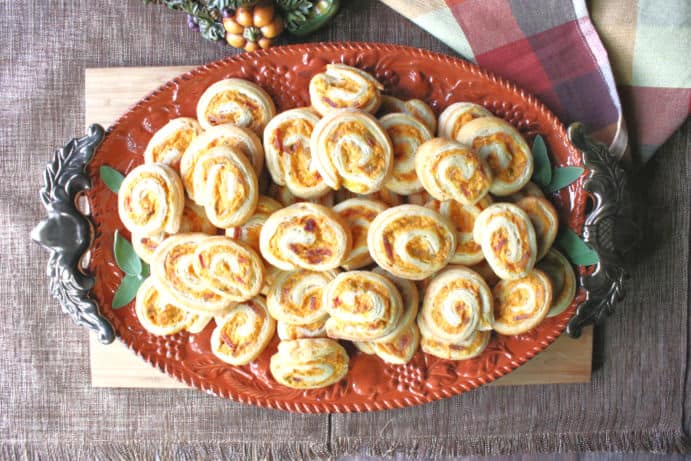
(111, 177)
(207, 17)
(295, 13)
(562, 177)
(126, 291)
(575, 249)
(136, 271)
(542, 170)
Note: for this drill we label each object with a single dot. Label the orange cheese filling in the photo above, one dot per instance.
(296, 158)
(460, 307)
(216, 118)
(364, 301)
(324, 238)
(178, 140)
(351, 153)
(311, 301)
(161, 315)
(233, 345)
(225, 277)
(512, 297)
(148, 201)
(499, 241)
(519, 158)
(170, 264)
(347, 85)
(417, 247)
(225, 205)
(462, 120)
(478, 182)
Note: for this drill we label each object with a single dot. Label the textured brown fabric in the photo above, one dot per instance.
(48, 409)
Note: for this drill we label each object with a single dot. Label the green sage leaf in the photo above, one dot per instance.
(111, 177)
(542, 169)
(575, 249)
(125, 256)
(562, 177)
(145, 269)
(126, 291)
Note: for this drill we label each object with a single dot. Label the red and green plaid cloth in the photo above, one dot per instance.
(623, 68)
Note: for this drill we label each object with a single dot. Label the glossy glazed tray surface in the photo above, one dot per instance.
(285, 72)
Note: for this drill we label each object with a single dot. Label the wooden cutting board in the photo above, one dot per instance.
(109, 92)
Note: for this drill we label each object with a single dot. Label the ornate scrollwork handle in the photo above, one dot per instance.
(609, 229)
(67, 234)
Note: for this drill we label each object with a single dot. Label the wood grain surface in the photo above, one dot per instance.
(109, 92)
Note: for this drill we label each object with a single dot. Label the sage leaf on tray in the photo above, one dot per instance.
(111, 177)
(562, 177)
(575, 249)
(127, 290)
(542, 170)
(125, 256)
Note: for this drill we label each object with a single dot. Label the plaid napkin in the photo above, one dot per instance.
(552, 49)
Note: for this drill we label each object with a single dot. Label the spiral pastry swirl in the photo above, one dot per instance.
(449, 170)
(241, 140)
(411, 302)
(288, 154)
(521, 304)
(283, 195)
(563, 279)
(151, 200)
(529, 190)
(174, 275)
(407, 134)
(358, 214)
(342, 87)
(457, 303)
(287, 331)
(193, 220)
(411, 242)
(243, 333)
(295, 297)
(505, 151)
(156, 315)
(305, 235)
(169, 143)
(413, 107)
(363, 306)
(227, 186)
(351, 149)
(401, 348)
(309, 363)
(455, 116)
(235, 101)
(508, 240)
(229, 268)
(249, 232)
(464, 350)
(545, 220)
(467, 252)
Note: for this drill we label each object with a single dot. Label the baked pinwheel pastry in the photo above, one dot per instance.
(464, 350)
(407, 134)
(305, 235)
(560, 273)
(364, 347)
(455, 116)
(411, 301)
(343, 87)
(457, 303)
(414, 107)
(401, 349)
(243, 333)
(225, 183)
(193, 220)
(411, 242)
(151, 200)
(521, 304)
(249, 232)
(363, 306)
(449, 170)
(382, 195)
(507, 239)
(309, 363)
(358, 214)
(545, 221)
(287, 198)
(467, 252)
(156, 315)
(229, 268)
(295, 297)
(351, 149)
(288, 155)
(241, 140)
(529, 190)
(504, 149)
(174, 275)
(235, 101)
(287, 331)
(198, 323)
(169, 143)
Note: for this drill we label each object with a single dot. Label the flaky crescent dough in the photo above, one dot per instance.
(309, 363)
(235, 101)
(169, 143)
(468, 252)
(452, 119)
(156, 315)
(407, 134)
(358, 214)
(521, 304)
(295, 297)
(341, 87)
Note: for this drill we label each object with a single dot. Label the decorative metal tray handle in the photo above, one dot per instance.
(68, 234)
(609, 229)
